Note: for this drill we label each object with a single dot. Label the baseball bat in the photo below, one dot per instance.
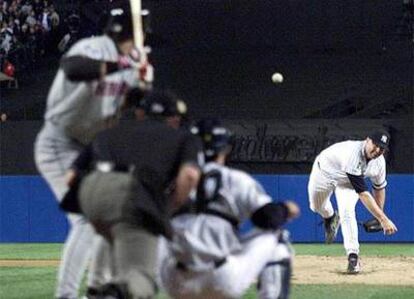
(137, 26)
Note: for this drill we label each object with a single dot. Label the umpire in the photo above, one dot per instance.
(139, 174)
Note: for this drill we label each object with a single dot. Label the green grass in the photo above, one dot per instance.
(30, 251)
(38, 282)
(27, 282)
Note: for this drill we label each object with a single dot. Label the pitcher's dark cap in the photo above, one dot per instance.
(381, 138)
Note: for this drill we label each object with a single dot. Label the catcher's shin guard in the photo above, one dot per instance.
(274, 280)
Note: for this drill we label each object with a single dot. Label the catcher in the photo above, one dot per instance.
(207, 258)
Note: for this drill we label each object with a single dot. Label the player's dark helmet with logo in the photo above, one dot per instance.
(119, 23)
(381, 138)
(215, 137)
(160, 103)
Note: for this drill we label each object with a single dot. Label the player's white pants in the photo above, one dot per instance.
(320, 189)
(54, 155)
(231, 280)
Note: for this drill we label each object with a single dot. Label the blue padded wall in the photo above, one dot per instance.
(399, 207)
(29, 212)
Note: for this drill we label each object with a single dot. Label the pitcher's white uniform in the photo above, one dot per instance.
(329, 174)
(206, 258)
(76, 111)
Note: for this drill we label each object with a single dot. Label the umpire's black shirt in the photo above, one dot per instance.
(154, 150)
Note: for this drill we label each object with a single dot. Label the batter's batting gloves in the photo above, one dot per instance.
(135, 59)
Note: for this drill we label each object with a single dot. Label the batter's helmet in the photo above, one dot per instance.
(215, 137)
(119, 24)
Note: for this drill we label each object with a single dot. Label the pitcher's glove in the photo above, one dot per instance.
(372, 226)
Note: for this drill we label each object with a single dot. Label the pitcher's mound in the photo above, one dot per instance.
(396, 270)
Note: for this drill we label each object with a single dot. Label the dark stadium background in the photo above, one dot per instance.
(347, 65)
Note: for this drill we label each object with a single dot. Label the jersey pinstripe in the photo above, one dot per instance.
(348, 157)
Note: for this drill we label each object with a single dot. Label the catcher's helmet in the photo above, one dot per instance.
(215, 137)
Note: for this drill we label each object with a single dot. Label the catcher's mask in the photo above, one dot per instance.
(215, 137)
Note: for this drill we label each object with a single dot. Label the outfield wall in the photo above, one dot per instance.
(29, 213)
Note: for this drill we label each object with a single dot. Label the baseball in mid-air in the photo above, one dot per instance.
(277, 78)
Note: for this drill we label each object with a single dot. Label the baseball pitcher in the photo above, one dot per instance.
(86, 96)
(207, 258)
(341, 168)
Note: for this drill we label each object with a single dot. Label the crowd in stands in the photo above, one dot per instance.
(29, 29)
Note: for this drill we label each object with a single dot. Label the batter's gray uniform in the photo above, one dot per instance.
(76, 111)
(207, 259)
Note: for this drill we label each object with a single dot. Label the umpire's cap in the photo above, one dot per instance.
(381, 138)
(163, 104)
(215, 137)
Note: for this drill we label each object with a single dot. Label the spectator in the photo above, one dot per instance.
(31, 18)
(26, 8)
(24, 34)
(38, 38)
(6, 38)
(3, 117)
(37, 8)
(47, 3)
(9, 69)
(45, 20)
(27, 32)
(73, 21)
(54, 17)
(12, 26)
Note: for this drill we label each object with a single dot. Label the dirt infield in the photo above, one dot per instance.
(309, 269)
(29, 263)
(397, 270)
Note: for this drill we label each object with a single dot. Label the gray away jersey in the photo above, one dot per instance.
(81, 109)
(201, 239)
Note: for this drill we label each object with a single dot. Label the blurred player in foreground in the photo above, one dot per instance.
(342, 168)
(86, 96)
(206, 258)
(127, 196)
